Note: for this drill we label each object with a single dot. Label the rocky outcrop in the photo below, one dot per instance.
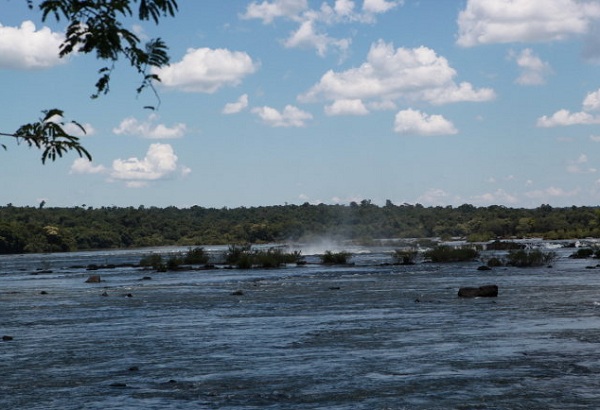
(486, 291)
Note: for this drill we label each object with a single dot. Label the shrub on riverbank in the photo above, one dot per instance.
(243, 257)
(335, 258)
(582, 253)
(154, 261)
(196, 256)
(405, 256)
(529, 258)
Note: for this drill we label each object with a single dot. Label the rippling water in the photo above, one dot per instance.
(356, 337)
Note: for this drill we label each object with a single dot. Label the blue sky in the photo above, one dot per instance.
(487, 102)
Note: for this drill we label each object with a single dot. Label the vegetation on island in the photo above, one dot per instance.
(335, 258)
(44, 229)
(444, 253)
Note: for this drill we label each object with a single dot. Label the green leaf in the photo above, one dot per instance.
(49, 135)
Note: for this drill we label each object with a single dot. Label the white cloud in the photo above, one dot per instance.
(147, 129)
(307, 37)
(238, 106)
(500, 196)
(74, 130)
(71, 128)
(205, 70)
(595, 138)
(25, 48)
(313, 23)
(579, 166)
(415, 122)
(346, 107)
(138, 30)
(453, 93)
(592, 101)
(84, 166)
(269, 11)
(564, 117)
(551, 192)
(385, 105)
(290, 117)
(160, 162)
(506, 21)
(379, 6)
(436, 196)
(390, 74)
(533, 70)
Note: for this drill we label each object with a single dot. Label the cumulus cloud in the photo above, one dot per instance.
(436, 196)
(313, 23)
(206, 70)
(346, 107)
(591, 101)
(550, 193)
(564, 117)
(307, 36)
(579, 166)
(506, 21)
(84, 166)
(72, 129)
(415, 122)
(533, 70)
(26, 48)
(500, 196)
(160, 162)
(379, 6)
(291, 116)
(390, 74)
(384, 105)
(238, 106)
(269, 11)
(148, 129)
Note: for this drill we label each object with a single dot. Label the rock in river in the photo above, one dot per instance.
(489, 291)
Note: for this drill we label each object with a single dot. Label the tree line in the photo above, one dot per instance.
(46, 229)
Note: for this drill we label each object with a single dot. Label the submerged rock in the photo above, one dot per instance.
(237, 293)
(6, 338)
(486, 291)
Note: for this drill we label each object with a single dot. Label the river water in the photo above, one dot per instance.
(366, 336)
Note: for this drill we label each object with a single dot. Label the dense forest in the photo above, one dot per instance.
(42, 229)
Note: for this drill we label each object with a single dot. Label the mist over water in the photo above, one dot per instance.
(365, 336)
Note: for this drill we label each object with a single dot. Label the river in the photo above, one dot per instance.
(364, 336)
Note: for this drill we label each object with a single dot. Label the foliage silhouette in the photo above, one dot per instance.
(96, 27)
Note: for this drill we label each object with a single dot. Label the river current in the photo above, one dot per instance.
(365, 336)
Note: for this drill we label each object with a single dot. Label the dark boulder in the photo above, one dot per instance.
(94, 279)
(486, 291)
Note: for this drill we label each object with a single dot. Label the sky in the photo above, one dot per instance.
(273, 102)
